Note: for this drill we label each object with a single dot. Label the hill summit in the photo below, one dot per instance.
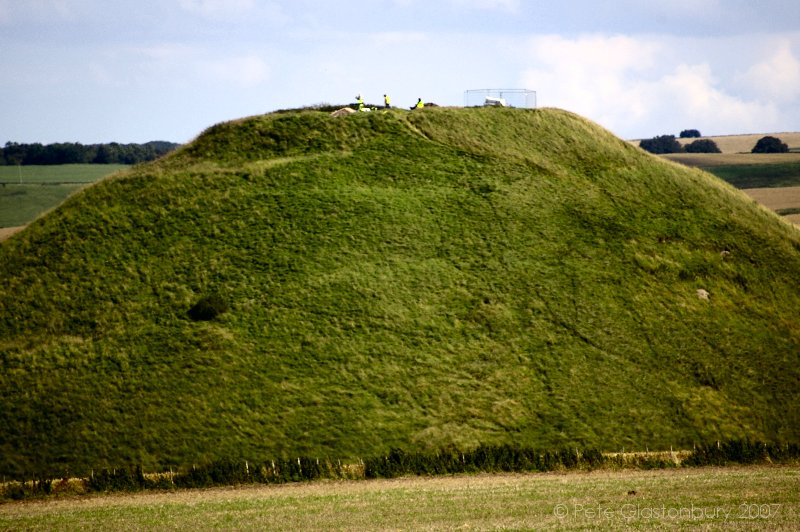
(298, 284)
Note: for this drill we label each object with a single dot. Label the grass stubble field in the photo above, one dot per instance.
(731, 498)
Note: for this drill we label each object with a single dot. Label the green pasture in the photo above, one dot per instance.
(19, 204)
(759, 176)
(751, 498)
(751, 170)
(72, 173)
(28, 191)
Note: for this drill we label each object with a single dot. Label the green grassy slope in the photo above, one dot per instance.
(443, 277)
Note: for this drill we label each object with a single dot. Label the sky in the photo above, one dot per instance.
(93, 71)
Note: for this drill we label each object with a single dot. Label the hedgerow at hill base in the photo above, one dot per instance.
(399, 463)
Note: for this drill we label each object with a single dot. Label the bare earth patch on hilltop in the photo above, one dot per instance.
(6, 232)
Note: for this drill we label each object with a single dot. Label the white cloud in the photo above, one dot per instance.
(778, 77)
(215, 8)
(246, 71)
(639, 86)
(398, 37)
(511, 6)
(690, 95)
(37, 10)
(503, 5)
(152, 68)
(678, 8)
(249, 11)
(179, 67)
(591, 75)
(594, 54)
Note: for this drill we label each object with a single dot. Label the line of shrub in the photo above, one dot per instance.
(220, 473)
(489, 459)
(483, 459)
(742, 452)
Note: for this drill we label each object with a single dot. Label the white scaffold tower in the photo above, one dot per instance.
(523, 98)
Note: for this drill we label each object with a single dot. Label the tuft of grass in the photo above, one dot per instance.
(436, 279)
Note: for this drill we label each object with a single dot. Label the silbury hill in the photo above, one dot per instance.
(434, 279)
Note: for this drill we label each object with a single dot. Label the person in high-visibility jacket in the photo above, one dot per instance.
(386, 102)
(419, 105)
(360, 102)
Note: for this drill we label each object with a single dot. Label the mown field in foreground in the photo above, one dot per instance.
(752, 498)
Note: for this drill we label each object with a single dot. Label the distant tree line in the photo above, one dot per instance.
(75, 153)
(669, 144)
(770, 145)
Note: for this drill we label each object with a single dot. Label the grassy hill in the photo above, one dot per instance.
(394, 279)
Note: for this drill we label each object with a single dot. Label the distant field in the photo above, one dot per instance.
(711, 160)
(28, 191)
(753, 498)
(785, 201)
(777, 175)
(74, 173)
(771, 179)
(21, 204)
